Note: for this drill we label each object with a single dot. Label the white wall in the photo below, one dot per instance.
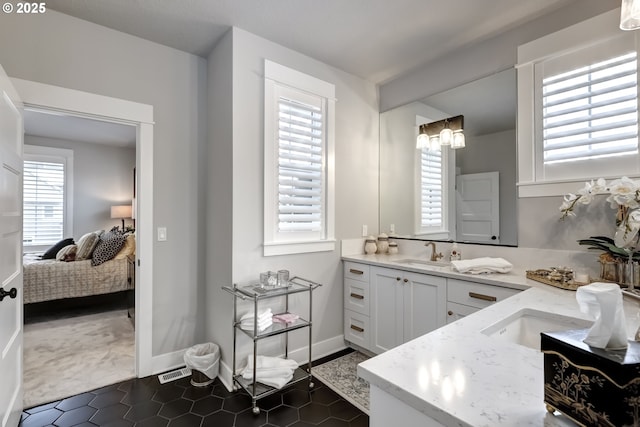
(102, 177)
(356, 163)
(538, 218)
(57, 49)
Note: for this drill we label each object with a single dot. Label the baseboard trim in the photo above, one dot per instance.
(167, 362)
(300, 355)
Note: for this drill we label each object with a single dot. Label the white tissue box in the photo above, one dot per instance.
(592, 386)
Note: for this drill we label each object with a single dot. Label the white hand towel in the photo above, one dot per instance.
(482, 265)
(272, 371)
(261, 314)
(261, 326)
(277, 382)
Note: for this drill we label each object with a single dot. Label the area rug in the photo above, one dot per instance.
(69, 356)
(340, 375)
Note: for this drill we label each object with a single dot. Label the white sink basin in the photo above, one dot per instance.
(524, 326)
(423, 263)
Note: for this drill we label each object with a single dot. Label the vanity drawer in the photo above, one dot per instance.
(356, 271)
(356, 296)
(477, 295)
(356, 328)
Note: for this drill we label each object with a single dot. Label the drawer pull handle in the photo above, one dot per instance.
(357, 328)
(356, 296)
(450, 313)
(483, 297)
(405, 280)
(398, 279)
(354, 271)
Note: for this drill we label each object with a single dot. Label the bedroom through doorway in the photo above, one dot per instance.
(79, 307)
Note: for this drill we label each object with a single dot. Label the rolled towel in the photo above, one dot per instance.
(247, 325)
(482, 265)
(272, 371)
(285, 317)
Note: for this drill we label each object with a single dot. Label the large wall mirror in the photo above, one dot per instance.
(486, 164)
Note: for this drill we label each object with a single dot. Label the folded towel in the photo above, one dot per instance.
(285, 318)
(261, 315)
(272, 371)
(247, 325)
(482, 265)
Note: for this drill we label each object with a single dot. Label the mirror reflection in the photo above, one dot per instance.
(466, 194)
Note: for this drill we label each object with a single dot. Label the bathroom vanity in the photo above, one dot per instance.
(484, 369)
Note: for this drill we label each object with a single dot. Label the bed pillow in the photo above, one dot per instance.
(129, 247)
(53, 250)
(68, 253)
(86, 245)
(108, 247)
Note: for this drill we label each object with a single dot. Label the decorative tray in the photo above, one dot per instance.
(543, 276)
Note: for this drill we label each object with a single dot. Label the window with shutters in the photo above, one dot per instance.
(46, 196)
(431, 215)
(580, 86)
(298, 175)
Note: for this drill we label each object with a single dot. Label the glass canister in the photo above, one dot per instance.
(609, 271)
(629, 274)
(393, 248)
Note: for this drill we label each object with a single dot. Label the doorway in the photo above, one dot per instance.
(57, 100)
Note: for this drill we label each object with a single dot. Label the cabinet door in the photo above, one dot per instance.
(425, 303)
(386, 309)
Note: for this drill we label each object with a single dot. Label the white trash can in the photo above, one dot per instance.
(203, 360)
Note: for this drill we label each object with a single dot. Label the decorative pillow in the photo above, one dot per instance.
(107, 248)
(129, 247)
(53, 250)
(68, 253)
(86, 245)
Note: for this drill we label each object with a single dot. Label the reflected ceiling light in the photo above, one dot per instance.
(630, 15)
(447, 132)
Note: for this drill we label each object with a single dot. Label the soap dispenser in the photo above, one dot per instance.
(455, 253)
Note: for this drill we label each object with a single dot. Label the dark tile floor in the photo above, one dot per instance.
(146, 402)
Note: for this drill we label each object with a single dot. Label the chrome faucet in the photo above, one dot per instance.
(435, 256)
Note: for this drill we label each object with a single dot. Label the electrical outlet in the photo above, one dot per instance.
(365, 230)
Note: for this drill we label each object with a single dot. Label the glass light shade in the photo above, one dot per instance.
(434, 143)
(630, 15)
(422, 141)
(458, 140)
(446, 136)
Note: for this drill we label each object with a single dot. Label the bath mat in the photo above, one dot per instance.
(340, 376)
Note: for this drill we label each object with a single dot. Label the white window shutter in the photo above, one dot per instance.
(431, 190)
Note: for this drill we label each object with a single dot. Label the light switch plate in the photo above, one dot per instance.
(162, 234)
(365, 231)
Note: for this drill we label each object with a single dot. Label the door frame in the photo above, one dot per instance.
(73, 102)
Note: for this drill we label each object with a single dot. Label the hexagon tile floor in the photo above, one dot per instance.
(145, 402)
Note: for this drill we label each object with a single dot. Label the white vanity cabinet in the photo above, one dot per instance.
(357, 304)
(464, 298)
(404, 305)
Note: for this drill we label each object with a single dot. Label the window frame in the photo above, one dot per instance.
(603, 28)
(279, 76)
(36, 153)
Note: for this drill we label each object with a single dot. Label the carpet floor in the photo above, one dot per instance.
(340, 375)
(66, 356)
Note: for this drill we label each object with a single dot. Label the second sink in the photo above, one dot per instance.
(423, 263)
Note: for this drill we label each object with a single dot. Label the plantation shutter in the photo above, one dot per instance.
(44, 198)
(591, 111)
(431, 210)
(300, 166)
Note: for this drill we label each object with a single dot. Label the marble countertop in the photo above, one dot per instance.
(459, 376)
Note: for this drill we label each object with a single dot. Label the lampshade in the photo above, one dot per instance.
(422, 141)
(458, 140)
(434, 143)
(446, 135)
(630, 15)
(442, 133)
(121, 211)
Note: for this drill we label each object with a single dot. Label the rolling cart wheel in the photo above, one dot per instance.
(255, 410)
(311, 385)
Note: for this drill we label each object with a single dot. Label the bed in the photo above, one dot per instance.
(46, 280)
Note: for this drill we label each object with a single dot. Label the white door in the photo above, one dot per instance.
(478, 207)
(11, 142)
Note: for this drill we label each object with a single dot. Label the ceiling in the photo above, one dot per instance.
(377, 40)
(374, 39)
